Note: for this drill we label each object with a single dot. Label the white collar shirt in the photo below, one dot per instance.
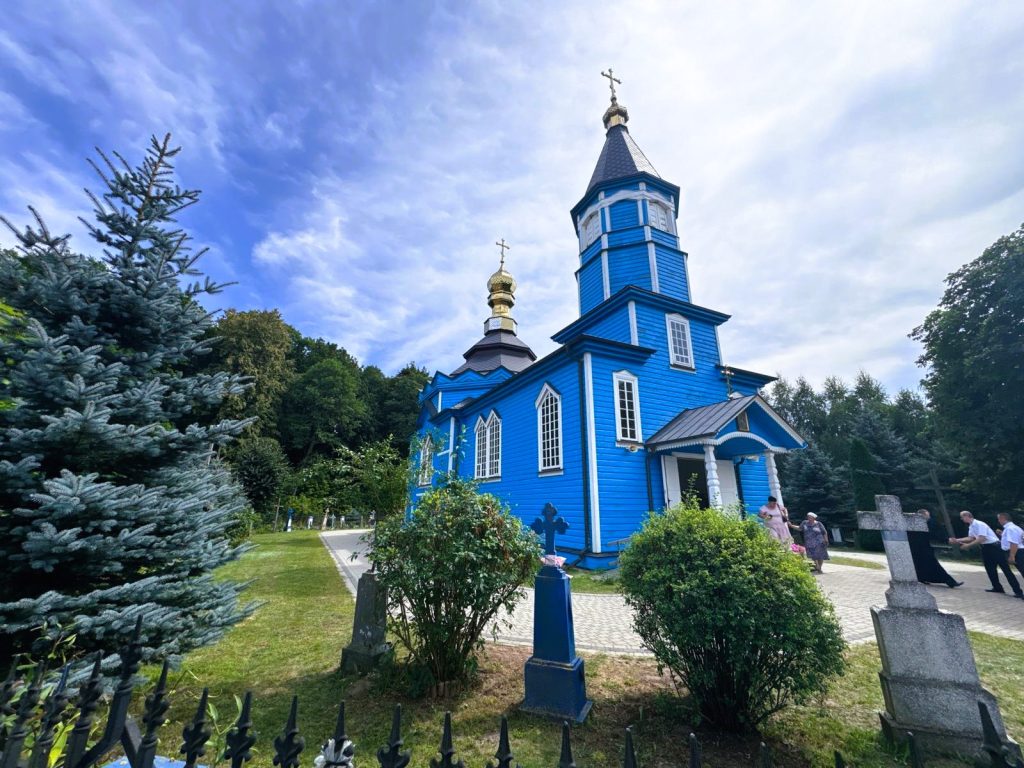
(1012, 534)
(978, 528)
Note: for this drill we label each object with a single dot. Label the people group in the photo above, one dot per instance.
(1000, 549)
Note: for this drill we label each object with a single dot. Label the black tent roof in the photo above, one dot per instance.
(620, 158)
(497, 349)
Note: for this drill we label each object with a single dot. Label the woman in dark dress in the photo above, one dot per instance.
(929, 570)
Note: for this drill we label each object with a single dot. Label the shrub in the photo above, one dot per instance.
(449, 570)
(738, 621)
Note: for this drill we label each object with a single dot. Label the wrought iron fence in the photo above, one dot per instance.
(30, 711)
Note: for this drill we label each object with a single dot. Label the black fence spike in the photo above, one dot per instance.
(240, 739)
(504, 754)
(53, 709)
(914, 752)
(695, 756)
(7, 690)
(154, 715)
(565, 758)
(840, 763)
(764, 756)
(392, 756)
(289, 744)
(339, 726)
(88, 700)
(629, 756)
(196, 733)
(339, 751)
(19, 728)
(447, 750)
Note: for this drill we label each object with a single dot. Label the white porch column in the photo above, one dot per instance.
(711, 468)
(774, 487)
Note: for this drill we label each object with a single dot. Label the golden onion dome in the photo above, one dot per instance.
(501, 281)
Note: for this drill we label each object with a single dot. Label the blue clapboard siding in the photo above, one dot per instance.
(624, 214)
(615, 326)
(629, 266)
(664, 238)
(671, 273)
(754, 479)
(591, 286)
(626, 236)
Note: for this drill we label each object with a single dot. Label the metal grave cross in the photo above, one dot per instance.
(612, 80)
(548, 526)
(894, 524)
(504, 247)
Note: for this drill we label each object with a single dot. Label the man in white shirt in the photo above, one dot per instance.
(1012, 541)
(992, 555)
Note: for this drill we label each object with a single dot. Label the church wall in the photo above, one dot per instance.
(671, 273)
(521, 485)
(591, 286)
(614, 327)
(624, 214)
(629, 266)
(754, 484)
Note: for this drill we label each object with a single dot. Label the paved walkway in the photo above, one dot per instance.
(604, 622)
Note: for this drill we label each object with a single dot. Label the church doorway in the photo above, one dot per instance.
(685, 473)
(693, 477)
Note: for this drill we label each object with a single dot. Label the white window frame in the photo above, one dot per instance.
(625, 377)
(659, 216)
(547, 393)
(487, 451)
(673, 358)
(590, 230)
(426, 474)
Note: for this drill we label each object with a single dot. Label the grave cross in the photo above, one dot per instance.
(905, 590)
(548, 527)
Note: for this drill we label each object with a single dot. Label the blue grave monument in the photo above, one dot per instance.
(554, 679)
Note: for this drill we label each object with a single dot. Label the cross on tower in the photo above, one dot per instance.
(612, 80)
(548, 527)
(504, 247)
(728, 373)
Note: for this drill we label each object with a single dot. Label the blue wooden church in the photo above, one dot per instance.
(634, 408)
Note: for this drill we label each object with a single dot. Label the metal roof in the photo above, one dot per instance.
(497, 349)
(705, 421)
(620, 158)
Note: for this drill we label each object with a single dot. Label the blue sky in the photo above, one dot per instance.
(359, 160)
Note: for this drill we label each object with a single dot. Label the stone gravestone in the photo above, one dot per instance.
(554, 679)
(929, 678)
(369, 627)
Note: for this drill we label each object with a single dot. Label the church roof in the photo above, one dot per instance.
(620, 158)
(497, 349)
(705, 421)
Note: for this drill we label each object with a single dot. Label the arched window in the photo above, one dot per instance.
(658, 216)
(426, 461)
(549, 430)
(591, 228)
(488, 447)
(627, 407)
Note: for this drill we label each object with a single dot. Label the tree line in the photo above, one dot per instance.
(323, 433)
(966, 431)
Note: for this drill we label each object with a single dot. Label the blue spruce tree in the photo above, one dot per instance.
(113, 503)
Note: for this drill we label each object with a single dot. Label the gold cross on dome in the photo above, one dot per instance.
(504, 247)
(612, 80)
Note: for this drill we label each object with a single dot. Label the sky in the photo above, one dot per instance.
(359, 160)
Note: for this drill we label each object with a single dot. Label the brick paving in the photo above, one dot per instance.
(604, 622)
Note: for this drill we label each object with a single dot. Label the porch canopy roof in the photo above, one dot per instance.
(716, 424)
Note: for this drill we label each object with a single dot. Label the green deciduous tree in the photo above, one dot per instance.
(261, 467)
(973, 351)
(322, 411)
(112, 503)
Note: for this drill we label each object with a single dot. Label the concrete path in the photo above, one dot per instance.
(604, 622)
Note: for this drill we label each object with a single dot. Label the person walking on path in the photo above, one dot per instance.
(776, 520)
(815, 539)
(991, 553)
(929, 570)
(1012, 541)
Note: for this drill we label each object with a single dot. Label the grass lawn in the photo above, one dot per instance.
(292, 644)
(856, 562)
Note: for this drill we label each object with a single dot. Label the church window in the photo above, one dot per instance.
(627, 407)
(488, 447)
(549, 430)
(426, 461)
(680, 347)
(658, 216)
(743, 422)
(591, 228)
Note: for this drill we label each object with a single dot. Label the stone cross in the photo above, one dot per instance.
(612, 80)
(548, 527)
(504, 247)
(904, 589)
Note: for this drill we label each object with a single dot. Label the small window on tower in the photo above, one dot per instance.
(591, 228)
(658, 216)
(743, 422)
